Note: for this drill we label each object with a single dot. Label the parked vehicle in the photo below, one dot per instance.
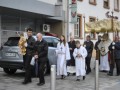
(11, 59)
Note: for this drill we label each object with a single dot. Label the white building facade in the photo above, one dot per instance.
(15, 15)
(92, 10)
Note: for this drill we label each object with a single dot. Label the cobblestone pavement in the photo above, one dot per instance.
(13, 82)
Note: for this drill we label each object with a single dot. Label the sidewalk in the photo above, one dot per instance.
(105, 82)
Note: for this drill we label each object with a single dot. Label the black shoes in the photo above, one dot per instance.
(84, 77)
(26, 82)
(40, 84)
(62, 77)
(117, 74)
(68, 74)
(87, 72)
(78, 80)
(110, 74)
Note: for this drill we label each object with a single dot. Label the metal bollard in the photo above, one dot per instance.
(97, 75)
(53, 77)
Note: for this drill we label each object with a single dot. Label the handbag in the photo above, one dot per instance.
(32, 61)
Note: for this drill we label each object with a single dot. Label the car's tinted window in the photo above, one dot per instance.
(49, 41)
(55, 42)
(12, 41)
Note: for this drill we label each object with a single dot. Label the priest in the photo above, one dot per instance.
(104, 52)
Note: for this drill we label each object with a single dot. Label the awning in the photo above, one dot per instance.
(102, 26)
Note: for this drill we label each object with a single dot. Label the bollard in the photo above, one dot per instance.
(53, 77)
(97, 75)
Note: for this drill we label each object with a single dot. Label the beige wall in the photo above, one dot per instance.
(57, 28)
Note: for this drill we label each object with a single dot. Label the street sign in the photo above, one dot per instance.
(73, 12)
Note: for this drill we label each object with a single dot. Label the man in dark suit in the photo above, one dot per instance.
(72, 46)
(96, 46)
(115, 49)
(41, 55)
(88, 44)
(28, 56)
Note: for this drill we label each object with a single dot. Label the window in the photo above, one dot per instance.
(92, 19)
(16, 23)
(78, 27)
(49, 41)
(92, 34)
(106, 4)
(93, 2)
(116, 5)
(12, 41)
(80, 0)
(55, 42)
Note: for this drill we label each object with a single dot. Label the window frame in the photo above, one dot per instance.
(106, 7)
(118, 7)
(93, 3)
(48, 42)
(54, 42)
(80, 27)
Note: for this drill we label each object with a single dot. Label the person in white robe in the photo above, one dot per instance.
(63, 54)
(104, 51)
(80, 54)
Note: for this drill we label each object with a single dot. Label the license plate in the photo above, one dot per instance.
(10, 54)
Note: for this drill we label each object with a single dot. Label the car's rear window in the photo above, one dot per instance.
(12, 41)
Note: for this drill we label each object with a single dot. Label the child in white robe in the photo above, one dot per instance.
(80, 54)
(63, 54)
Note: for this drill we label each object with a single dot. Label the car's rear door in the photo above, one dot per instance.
(52, 43)
(10, 51)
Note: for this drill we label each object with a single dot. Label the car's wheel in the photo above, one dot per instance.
(9, 71)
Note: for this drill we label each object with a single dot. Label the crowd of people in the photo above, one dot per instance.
(72, 57)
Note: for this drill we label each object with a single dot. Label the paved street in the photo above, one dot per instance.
(13, 82)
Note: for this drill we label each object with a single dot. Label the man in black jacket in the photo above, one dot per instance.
(28, 57)
(72, 46)
(116, 46)
(71, 62)
(96, 46)
(88, 44)
(41, 55)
